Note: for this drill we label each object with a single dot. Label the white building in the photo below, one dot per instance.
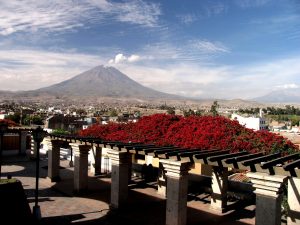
(255, 123)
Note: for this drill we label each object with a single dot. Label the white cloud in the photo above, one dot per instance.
(138, 12)
(191, 50)
(187, 19)
(251, 3)
(133, 58)
(288, 86)
(195, 79)
(61, 15)
(215, 8)
(120, 58)
(181, 78)
(208, 47)
(31, 69)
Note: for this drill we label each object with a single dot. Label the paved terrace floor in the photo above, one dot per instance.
(60, 206)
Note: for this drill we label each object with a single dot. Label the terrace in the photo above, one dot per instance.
(170, 197)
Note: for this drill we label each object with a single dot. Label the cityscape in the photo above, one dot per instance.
(150, 112)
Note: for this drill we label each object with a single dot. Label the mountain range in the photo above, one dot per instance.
(102, 81)
(291, 95)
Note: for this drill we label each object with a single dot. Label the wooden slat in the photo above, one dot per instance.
(243, 157)
(151, 150)
(202, 157)
(260, 159)
(292, 165)
(194, 152)
(189, 151)
(165, 153)
(281, 160)
(190, 154)
(162, 151)
(226, 156)
(137, 146)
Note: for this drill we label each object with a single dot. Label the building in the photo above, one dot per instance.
(252, 122)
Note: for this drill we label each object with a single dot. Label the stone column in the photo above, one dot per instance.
(293, 201)
(268, 190)
(177, 185)
(96, 160)
(119, 177)
(219, 186)
(81, 153)
(54, 159)
(23, 138)
(161, 181)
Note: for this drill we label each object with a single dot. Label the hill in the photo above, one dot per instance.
(281, 96)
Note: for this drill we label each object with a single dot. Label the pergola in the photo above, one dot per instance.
(268, 173)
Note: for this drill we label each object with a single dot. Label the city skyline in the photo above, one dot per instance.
(203, 49)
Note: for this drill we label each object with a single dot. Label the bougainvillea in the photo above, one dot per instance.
(195, 132)
(9, 123)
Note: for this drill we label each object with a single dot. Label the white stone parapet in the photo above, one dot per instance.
(269, 185)
(81, 152)
(293, 201)
(120, 168)
(177, 185)
(269, 194)
(96, 159)
(54, 159)
(175, 168)
(219, 188)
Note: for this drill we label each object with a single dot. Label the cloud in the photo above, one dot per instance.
(187, 18)
(31, 69)
(186, 51)
(196, 79)
(138, 12)
(188, 78)
(208, 47)
(215, 8)
(288, 86)
(251, 3)
(63, 15)
(133, 58)
(120, 58)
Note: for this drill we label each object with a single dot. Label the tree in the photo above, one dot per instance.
(15, 117)
(113, 113)
(214, 108)
(171, 111)
(190, 112)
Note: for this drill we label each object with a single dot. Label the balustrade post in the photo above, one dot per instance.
(269, 194)
(54, 159)
(96, 160)
(293, 201)
(177, 187)
(81, 166)
(120, 163)
(219, 188)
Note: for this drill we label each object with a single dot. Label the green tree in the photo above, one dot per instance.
(113, 113)
(214, 108)
(171, 111)
(15, 117)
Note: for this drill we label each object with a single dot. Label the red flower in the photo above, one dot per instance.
(195, 132)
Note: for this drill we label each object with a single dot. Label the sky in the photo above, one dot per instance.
(225, 49)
